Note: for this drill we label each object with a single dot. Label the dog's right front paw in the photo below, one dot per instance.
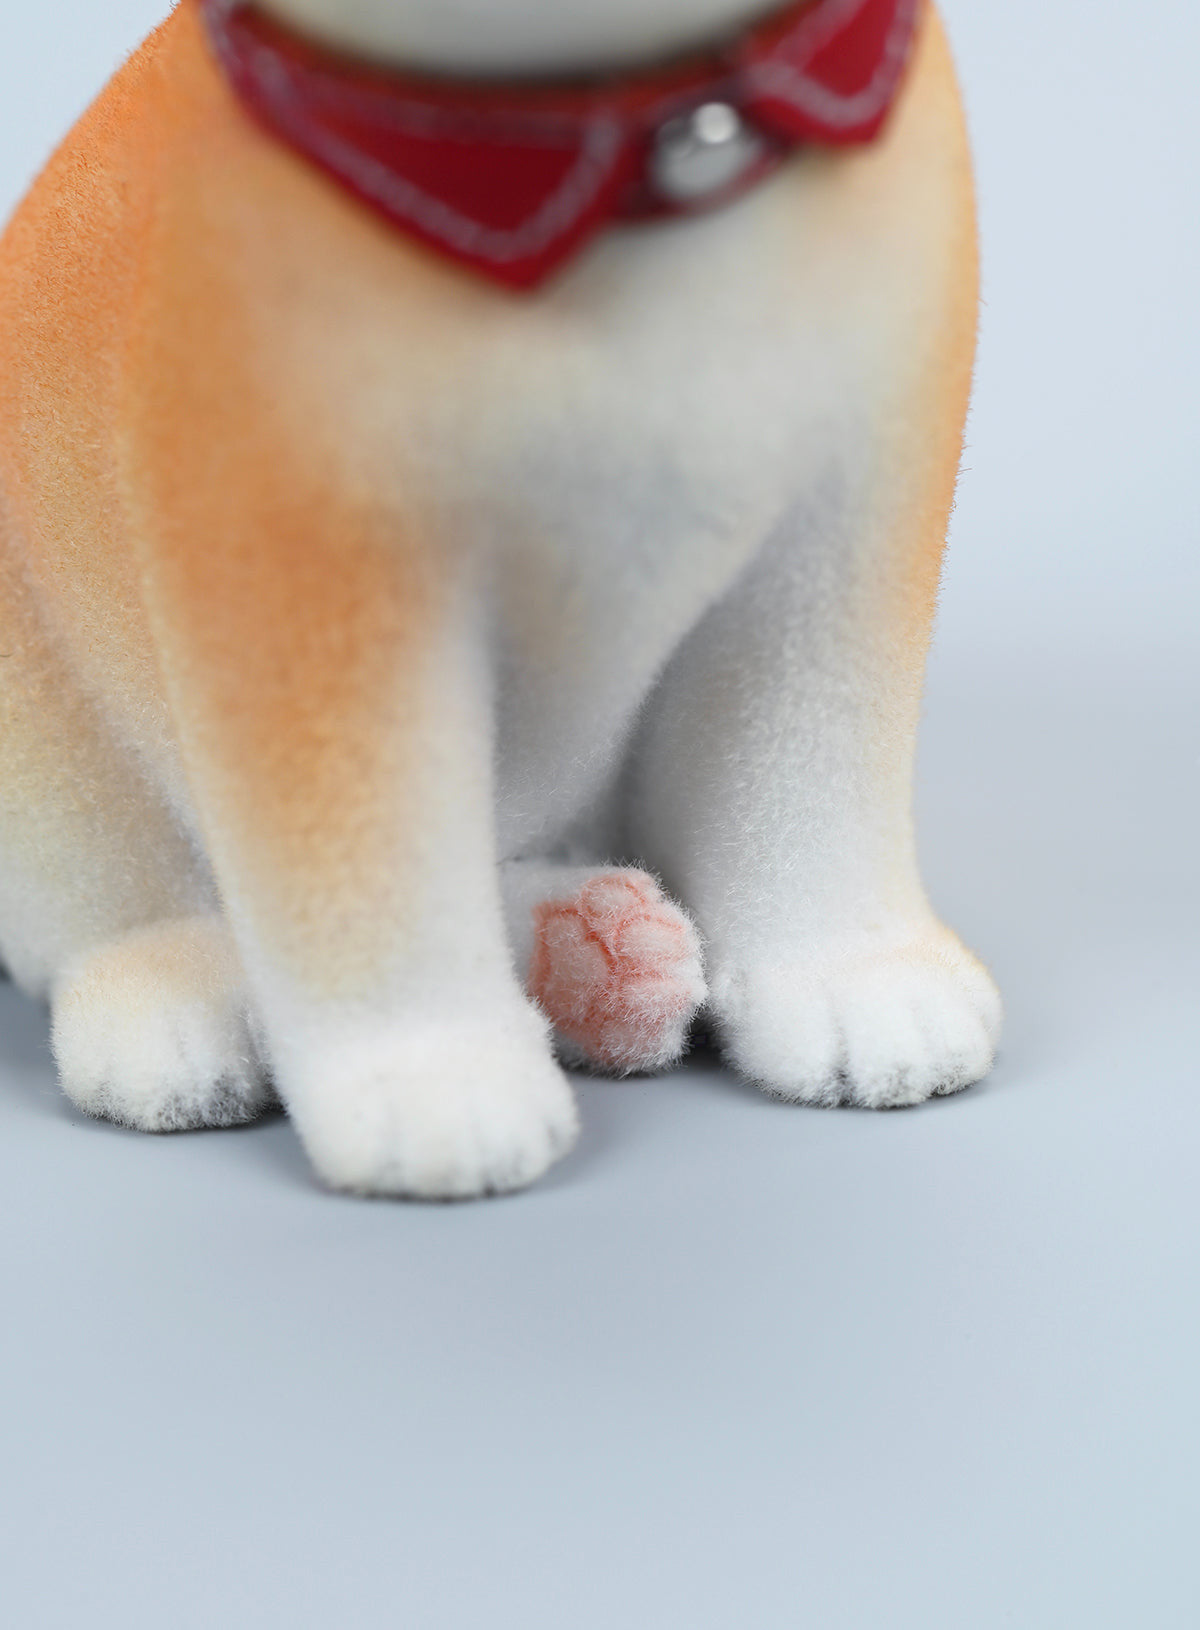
(434, 1110)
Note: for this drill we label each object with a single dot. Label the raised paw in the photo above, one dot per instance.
(878, 1024)
(617, 968)
(152, 1031)
(433, 1108)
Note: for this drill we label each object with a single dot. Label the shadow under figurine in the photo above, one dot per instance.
(473, 483)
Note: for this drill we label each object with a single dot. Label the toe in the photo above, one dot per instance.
(153, 1032)
(434, 1110)
(879, 1027)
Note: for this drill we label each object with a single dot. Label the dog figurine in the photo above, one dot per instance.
(436, 639)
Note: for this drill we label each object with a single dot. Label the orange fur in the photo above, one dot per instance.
(303, 533)
(291, 610)
(252, 526)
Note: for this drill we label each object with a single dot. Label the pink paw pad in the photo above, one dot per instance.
(617, 968)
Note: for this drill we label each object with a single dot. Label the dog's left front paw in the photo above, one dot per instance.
(870, 1022)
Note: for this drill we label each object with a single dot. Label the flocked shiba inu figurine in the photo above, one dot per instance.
(405, 674)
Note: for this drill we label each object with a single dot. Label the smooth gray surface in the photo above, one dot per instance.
(734, 1364)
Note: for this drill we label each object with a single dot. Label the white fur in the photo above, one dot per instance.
(441, 1106)
(681, 457)
(678, 468)
(517, 36)
(154, 1031)
(863, 1021)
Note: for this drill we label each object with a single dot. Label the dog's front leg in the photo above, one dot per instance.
(775, 797)
(331, 690)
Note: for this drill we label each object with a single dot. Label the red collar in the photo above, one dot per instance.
(512, 179)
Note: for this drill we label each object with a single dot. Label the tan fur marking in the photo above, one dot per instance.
(297, 619)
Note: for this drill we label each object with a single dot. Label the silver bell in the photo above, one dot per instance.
(699, 154)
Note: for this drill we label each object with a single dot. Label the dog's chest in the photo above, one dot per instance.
(612, 450)
(680, 380)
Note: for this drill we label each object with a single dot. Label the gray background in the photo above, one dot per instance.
(734, 1364)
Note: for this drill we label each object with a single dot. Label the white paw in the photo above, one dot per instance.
(152, 1031)
(433, 1109)
(617, 969)
(878, 1024)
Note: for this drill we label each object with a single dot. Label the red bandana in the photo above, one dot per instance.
(512, 179)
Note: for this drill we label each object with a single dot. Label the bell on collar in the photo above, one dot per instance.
(699, 154)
